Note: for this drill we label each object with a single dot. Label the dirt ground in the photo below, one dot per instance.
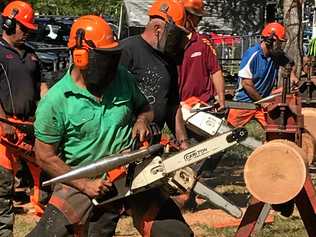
(228, 180)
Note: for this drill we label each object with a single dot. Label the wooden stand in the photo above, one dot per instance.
(285, 121)
(305, 202)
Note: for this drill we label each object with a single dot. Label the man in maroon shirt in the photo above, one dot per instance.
(200, 74)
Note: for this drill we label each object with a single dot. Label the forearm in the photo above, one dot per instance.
(2, 113)
(53, 165)
(219, 85)
(293, 77)
(250, 89)
(146, 114)
(43, 89)
(181, 133)
(253, 93)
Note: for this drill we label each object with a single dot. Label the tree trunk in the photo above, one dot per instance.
(294, 30)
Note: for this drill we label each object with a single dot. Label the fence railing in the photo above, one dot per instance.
(230, 50)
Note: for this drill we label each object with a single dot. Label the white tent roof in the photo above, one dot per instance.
(136, 12)
(135, 15)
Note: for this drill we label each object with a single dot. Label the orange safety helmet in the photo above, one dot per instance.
(90, 32)
(274, 29)
(22, 12)
(195, 7)
(168, 8)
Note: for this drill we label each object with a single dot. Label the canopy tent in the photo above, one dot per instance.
(133, 19)
(136, 12)
(133, 16)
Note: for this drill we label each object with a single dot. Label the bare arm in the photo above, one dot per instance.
(146, 114)
(141, 126)
(293, 78)
(47, 159)
(6, 130)
(2, 113)
(43, 89)
(250, 89)
(219, 84)
(181, 133)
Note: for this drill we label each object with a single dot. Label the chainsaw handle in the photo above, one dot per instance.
(136, 144)
(154, 138)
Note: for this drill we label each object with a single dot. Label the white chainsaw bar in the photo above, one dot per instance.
(217, 199)
(173, 173)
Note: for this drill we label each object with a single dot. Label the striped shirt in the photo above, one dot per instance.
(261, 69)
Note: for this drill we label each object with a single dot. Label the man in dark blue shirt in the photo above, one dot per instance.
(258, 74)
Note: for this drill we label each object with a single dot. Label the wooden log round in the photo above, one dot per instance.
(308, 146)
(276, 171)
(310, 120)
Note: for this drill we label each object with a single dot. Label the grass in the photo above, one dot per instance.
(228, 179)
(23, 225)
(255, 130)
(290, 227)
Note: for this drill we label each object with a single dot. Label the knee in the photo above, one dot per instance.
(170, 228)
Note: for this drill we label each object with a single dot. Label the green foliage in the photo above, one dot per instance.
(312, 48)
(78, 7)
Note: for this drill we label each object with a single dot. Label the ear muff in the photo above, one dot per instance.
(80, 54)
(9, 23)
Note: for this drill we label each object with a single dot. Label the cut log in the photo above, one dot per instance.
(276, 172)
(308, 146)
(310, 120)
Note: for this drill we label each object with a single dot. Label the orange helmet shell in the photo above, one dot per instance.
(25, 13)
(274, 28)
(96, 30)
(171, 8)
(195, 7)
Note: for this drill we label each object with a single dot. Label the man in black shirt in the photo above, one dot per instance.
(20, 88)
(152, 58)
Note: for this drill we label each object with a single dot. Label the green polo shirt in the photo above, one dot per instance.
(86, 129)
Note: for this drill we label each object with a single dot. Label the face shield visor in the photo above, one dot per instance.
(173, 41)
(101, 69)
(275, 46)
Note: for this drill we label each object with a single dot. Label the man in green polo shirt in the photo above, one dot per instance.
(90, 113)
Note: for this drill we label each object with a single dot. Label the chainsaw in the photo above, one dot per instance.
(23, 147)
(173, 174)
(203, 119)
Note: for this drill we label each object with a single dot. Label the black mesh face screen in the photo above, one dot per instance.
(102, 67)
(175, 41)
